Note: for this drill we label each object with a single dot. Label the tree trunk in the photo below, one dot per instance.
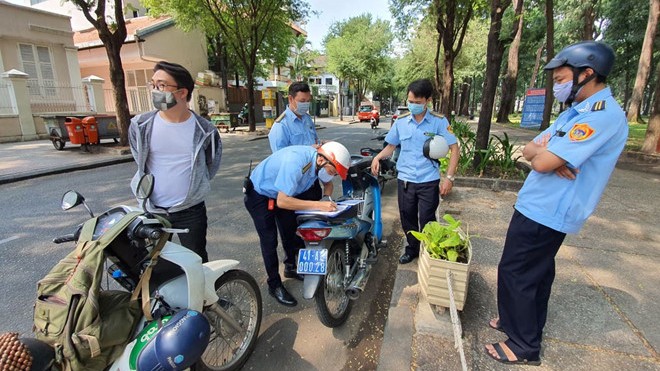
(652, 139)
(117, 79)
(532, 81)
(510, 80)
(494, 53)
(251, 100)
(644, 62)
(550, 53)
(341, 101)
(465, 98)
(589, 16)
(447, 84)
(436, 61)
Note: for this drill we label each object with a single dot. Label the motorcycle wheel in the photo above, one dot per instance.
(229, 349)
(332, 304)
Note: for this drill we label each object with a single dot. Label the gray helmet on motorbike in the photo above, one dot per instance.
(595, 55)
(436, 147)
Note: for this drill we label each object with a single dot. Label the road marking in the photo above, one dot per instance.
(9, 239)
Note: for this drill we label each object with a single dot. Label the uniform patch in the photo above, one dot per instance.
(449, 129)
(598, 106)
(436, 114)
(404, 115)
(580, 132)
(306, 167)
(280, 118)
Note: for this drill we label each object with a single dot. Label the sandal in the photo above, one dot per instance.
(495, 324)
(502, 356)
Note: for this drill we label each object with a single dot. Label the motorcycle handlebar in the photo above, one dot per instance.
(145, 231)
(66, 238)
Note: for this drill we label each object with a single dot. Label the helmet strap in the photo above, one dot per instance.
(576, 86)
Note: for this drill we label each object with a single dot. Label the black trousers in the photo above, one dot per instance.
(194, 218)
(524, 281)
(268, 223)
(417, 205)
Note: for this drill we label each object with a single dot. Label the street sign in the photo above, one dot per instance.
(532, 115)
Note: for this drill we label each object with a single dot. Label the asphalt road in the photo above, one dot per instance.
(290, 338)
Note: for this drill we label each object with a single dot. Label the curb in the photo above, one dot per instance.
(64, 169)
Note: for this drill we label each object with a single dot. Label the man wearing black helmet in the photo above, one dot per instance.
(572, 161)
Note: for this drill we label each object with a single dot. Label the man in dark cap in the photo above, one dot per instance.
(572, 161)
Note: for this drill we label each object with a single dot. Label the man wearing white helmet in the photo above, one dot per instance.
(572, 161)
(271, 199)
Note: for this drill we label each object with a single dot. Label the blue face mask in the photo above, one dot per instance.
(562, 91)
(302, 108)
(416, 108)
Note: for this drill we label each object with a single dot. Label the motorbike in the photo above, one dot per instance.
(373, 122)
(180, 285)
(342, 247)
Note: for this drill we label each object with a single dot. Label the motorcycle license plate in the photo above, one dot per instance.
(313, 261)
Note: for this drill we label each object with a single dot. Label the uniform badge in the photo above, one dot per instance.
(580, 132)
(450, 130)
(599, 106)
(306, 167)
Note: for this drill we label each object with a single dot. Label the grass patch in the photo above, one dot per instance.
(636, 131)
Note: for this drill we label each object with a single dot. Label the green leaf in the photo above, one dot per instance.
(452, 255)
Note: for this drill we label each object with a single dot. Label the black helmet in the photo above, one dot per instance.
(435, 147)
(595, 55)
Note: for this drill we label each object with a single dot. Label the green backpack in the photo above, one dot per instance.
(88, 327)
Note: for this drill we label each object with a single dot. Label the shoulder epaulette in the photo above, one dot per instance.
(280, 118)
(306, 167)
(404, 115)
(598, 106)
(436, 114)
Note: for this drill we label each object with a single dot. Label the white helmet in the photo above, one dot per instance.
(436, 147)
(338, 155)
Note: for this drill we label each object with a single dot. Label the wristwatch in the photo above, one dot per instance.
(451, 178)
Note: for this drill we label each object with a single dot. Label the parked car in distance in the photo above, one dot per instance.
(367, 111)
(400, 110)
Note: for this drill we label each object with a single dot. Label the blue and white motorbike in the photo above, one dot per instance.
(342, 247)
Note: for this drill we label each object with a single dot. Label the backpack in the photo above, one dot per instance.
(87, 327)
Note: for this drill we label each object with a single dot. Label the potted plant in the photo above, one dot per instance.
(444, 246)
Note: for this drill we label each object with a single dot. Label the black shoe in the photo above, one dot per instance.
(282, 296)
(406, 258)
(293, 273)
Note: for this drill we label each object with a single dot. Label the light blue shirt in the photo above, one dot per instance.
(411, 165)
(291, 170)
(595, 134)
(291, 130)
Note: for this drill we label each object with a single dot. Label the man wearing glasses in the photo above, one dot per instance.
(181, 149)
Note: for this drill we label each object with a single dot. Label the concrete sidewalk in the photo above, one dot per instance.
(603, 312)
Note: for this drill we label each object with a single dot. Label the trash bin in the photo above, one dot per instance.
(75, 129)
(91, 129)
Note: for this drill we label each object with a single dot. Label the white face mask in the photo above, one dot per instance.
(302, 108)
(562, 91)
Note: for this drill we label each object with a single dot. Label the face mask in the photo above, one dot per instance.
(163, 100)
(302, 108)
(416, 108)
(562, 91)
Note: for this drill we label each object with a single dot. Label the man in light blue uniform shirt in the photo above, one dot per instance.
(572, 161)
(295, 127)
(419, 186)
(273, 194)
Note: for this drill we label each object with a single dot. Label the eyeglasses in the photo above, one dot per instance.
(160, 86)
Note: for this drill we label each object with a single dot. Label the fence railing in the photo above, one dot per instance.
(7, 107)
(139, 100)
(56, 98)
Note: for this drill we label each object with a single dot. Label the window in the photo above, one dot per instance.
(37, 64)
(328, 80)
(138, 78)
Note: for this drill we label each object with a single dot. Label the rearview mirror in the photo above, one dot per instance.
(145, 187)
(71, 199)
